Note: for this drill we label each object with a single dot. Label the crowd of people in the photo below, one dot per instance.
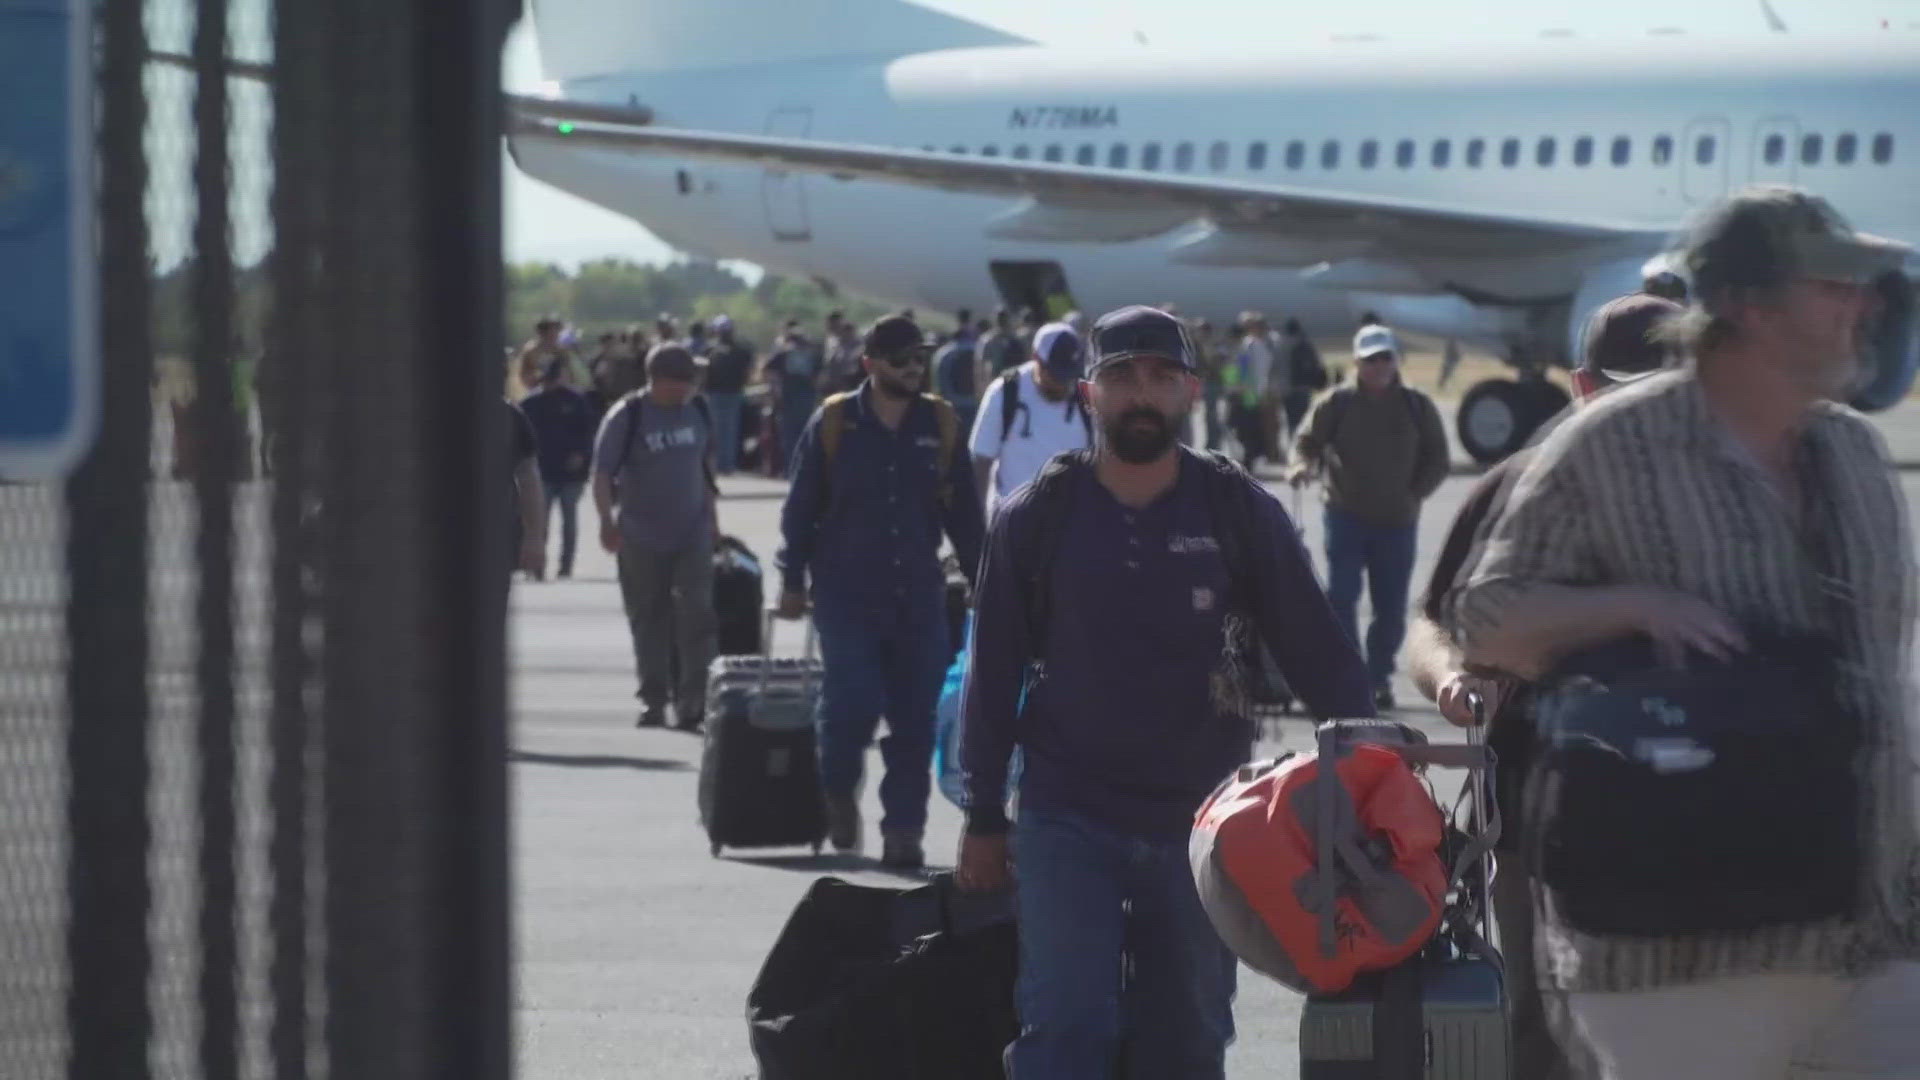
(1126, 581)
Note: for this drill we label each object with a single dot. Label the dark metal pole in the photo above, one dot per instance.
(108, 1017)
(458, 70)
(215, 354)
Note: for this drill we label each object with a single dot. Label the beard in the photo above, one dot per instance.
(897, 387)
(1139, 435)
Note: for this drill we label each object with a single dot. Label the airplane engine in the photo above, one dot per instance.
(1890, 346)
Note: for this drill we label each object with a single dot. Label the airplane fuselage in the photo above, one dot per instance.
(1638, 134)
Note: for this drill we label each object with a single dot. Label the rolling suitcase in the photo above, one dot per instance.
(759, 776)
(1443, 1014)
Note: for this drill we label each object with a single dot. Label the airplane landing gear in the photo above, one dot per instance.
(1498, 416)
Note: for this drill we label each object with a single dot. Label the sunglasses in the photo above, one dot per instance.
(905, 358)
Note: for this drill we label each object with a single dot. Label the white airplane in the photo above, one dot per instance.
(1493, 194)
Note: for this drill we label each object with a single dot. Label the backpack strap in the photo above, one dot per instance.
(833, 424)
(632, 402)
(1229, 491)
(1049, 499)
(947, 419)
(1009, 402)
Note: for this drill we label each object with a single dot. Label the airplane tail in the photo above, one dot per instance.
(581, 39)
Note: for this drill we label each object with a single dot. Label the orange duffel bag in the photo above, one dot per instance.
(1313, 883)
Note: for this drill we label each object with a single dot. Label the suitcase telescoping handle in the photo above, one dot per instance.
(1481, 804)
(806, 653)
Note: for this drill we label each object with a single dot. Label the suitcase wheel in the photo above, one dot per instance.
(714, 849)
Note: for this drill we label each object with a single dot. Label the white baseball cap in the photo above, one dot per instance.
(1374, 339)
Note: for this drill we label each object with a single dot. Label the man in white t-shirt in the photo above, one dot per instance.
(1030, 414)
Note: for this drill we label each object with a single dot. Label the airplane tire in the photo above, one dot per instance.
(1545, 400)
(1493, 420)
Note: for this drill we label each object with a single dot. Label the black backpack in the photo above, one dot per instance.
(1010, 406)
(1229, 491)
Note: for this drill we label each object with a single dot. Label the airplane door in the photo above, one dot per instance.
(1776, 145)
(1703, 160)
(784, 193)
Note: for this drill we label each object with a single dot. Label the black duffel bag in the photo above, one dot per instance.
(1722, 796)
(892, 984)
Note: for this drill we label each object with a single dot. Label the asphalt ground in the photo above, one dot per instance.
(636, 947)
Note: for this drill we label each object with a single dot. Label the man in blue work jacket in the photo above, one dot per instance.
(879, 473)
(1125, 592)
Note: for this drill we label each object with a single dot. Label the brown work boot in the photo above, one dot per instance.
(843, 822)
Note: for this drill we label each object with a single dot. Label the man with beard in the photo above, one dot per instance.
(1135, 579)
(877, 477)
(1712, 509)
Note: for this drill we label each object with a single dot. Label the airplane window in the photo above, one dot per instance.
(1476, 152)
(1183, 157)
(1150, 157)
(1622, 150)
(1117, 156)
(1810, 150)
(1442, 153)
(1022, 152)
(1296, 154)
(1369, 153)
(1663, 150)
(1844, 149)
(1256, 155)
(1403, 153)
(989, 151)
(1055, 153)
(1882, 149)
(1776, 149)
(956, 149)
(1510, 152)
(1217, 157)
(1330, 154)
(927, 149)
(1703, 149)
(1583, 150)
(1086, 155)
(1544, 152)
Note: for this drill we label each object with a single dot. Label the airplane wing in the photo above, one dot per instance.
(1252, 221)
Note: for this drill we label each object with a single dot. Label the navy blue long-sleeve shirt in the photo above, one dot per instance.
(1134, 719)
(871, 531)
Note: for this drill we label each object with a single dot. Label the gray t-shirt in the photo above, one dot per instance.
(659, 471)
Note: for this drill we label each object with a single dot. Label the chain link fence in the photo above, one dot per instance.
(252, 732)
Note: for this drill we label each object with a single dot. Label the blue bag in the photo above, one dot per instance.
(946, 737)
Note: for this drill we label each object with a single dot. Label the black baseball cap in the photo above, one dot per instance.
(894, 334)
(1140, 331)
(1620, 344)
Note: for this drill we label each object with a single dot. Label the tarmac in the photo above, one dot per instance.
(636, 947)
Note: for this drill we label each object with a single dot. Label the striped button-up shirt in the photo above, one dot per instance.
(1646, 488)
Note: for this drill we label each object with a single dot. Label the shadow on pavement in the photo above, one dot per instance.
(598, 761)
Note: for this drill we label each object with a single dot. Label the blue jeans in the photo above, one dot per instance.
(889, 660)
(1385, 554)
(1121, 973)
(726, 429)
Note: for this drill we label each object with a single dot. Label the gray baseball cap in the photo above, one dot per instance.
(1770, 235)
